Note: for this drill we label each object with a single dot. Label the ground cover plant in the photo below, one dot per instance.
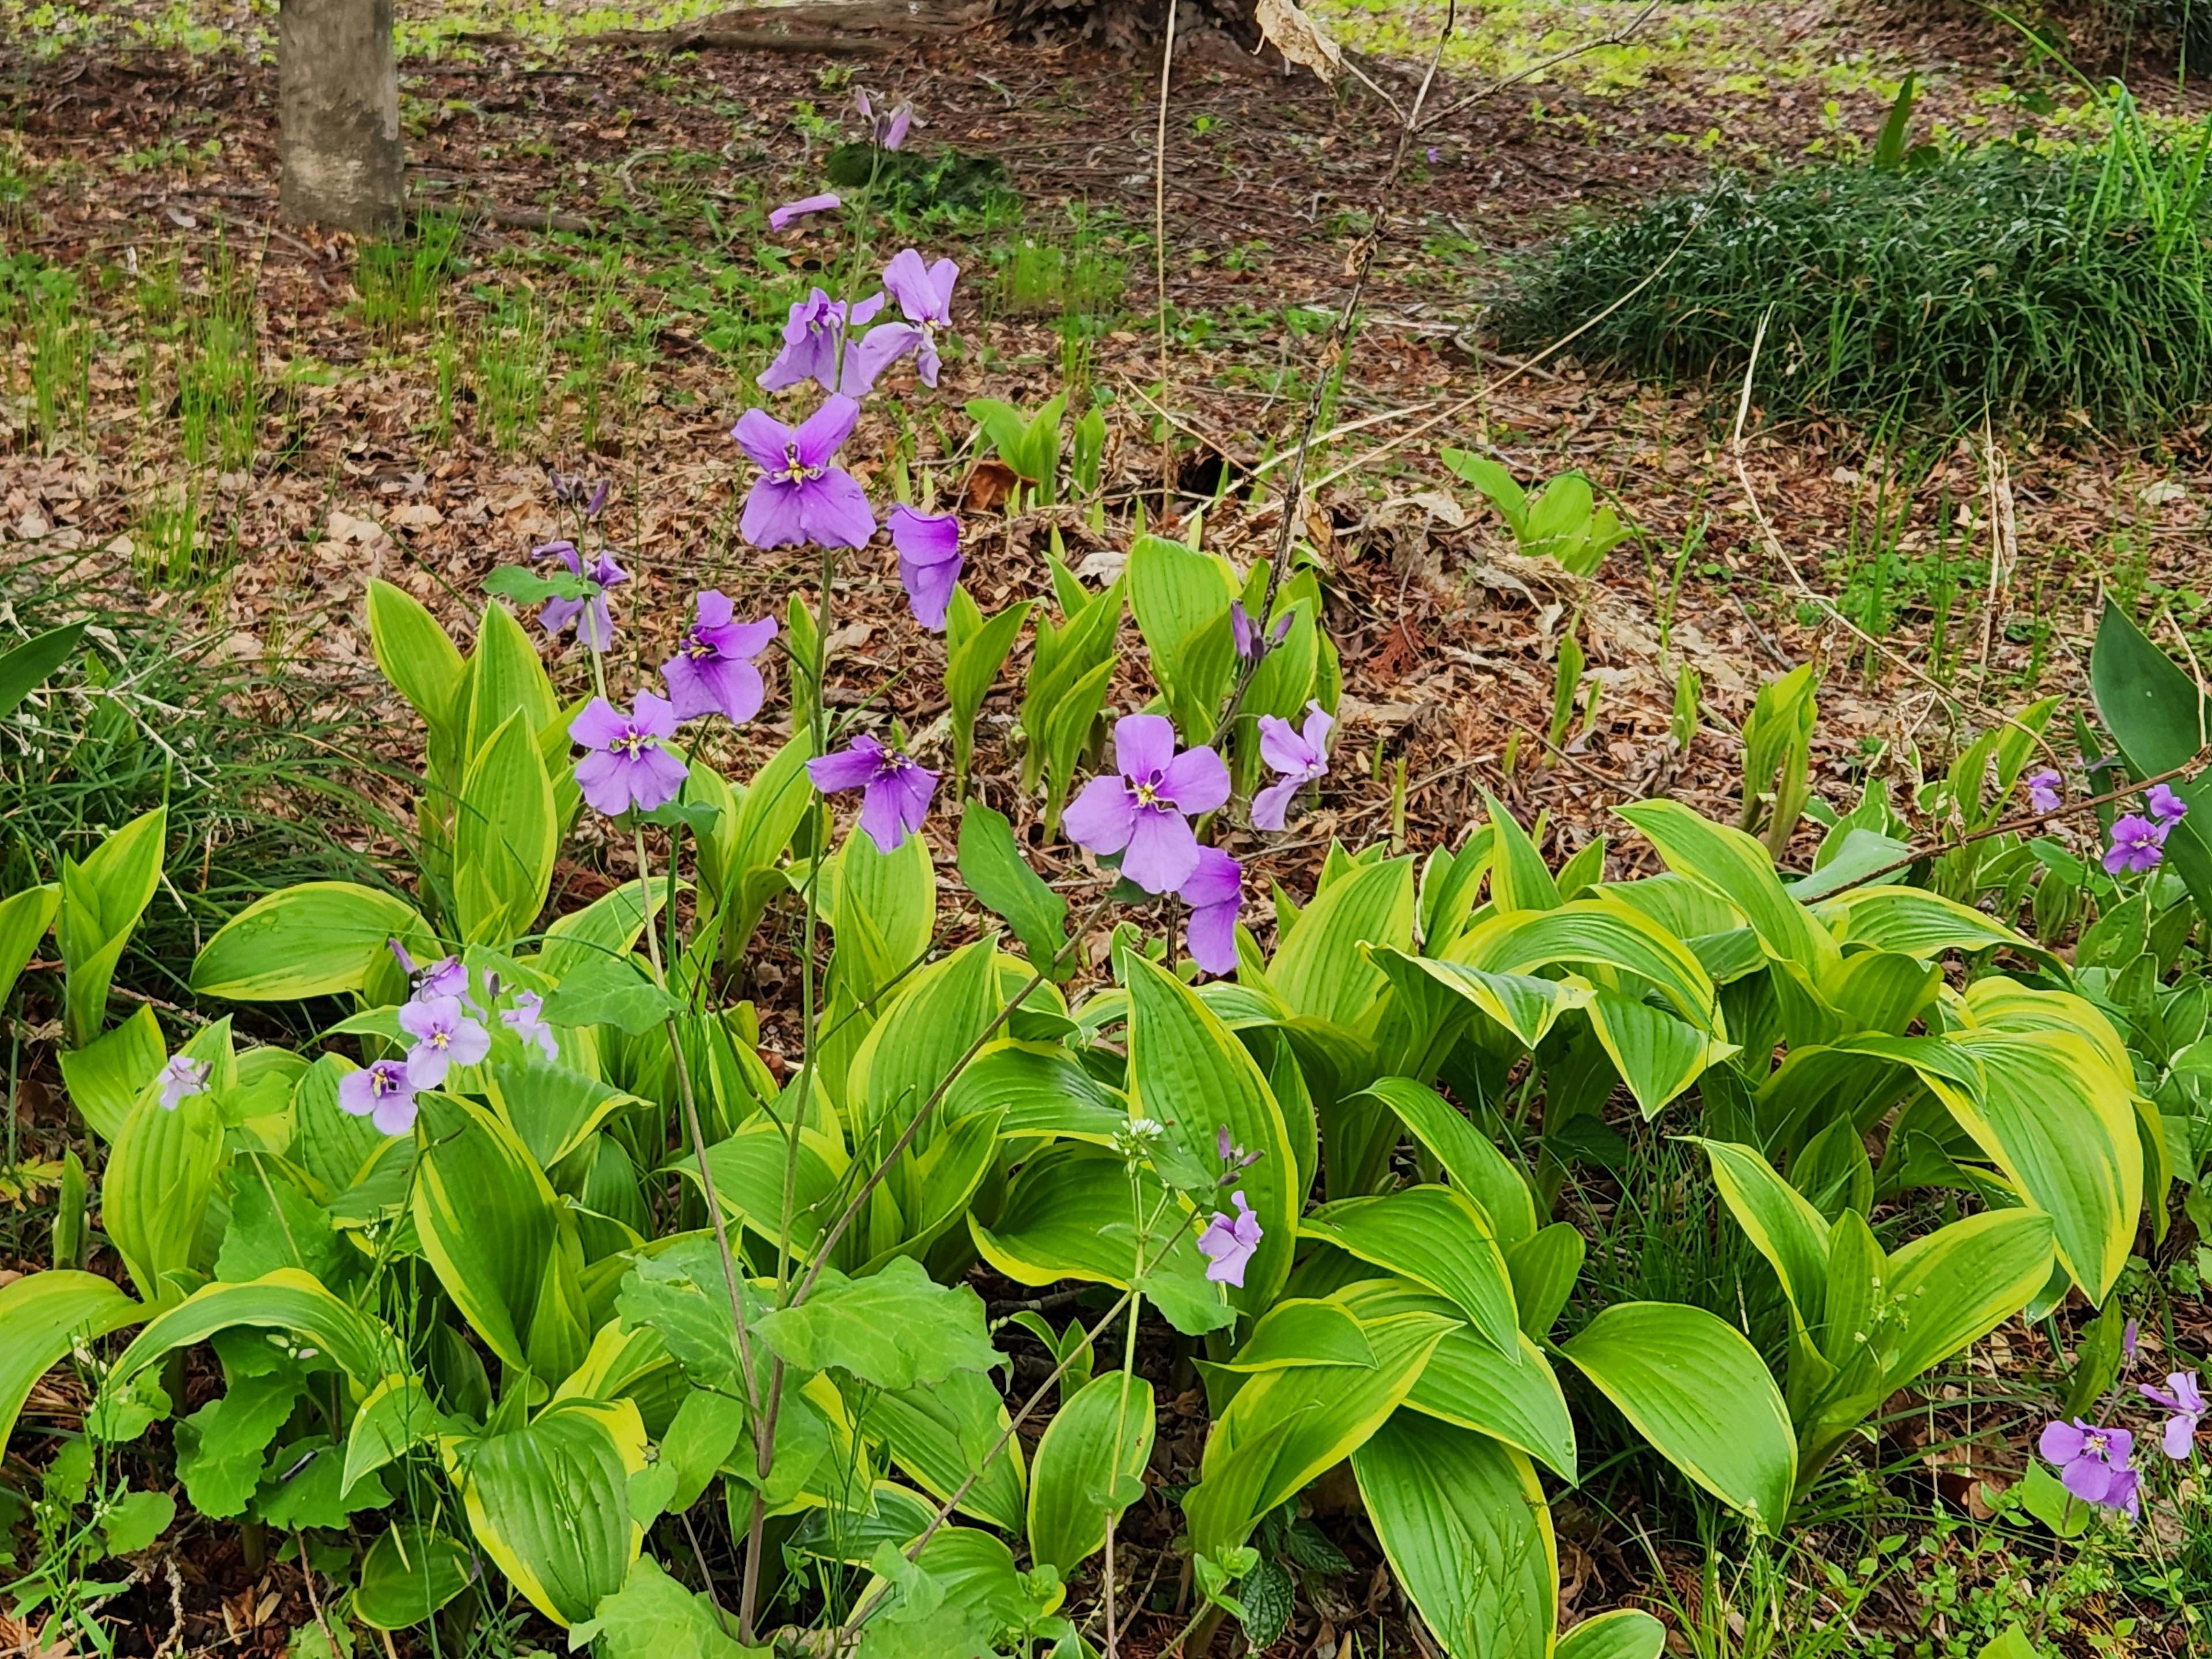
(889, 1050)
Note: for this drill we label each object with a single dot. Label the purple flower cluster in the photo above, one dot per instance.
(445, 1028)
(2139, 838)
(1229, 1241)
(182, 1078)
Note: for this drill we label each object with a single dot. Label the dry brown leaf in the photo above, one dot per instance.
(1299, 39)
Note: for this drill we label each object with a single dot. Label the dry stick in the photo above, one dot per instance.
(1329, 365)
(1160, 244)
(2024, 821)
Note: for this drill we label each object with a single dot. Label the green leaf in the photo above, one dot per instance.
(1305, 1331)
(701, 1436)
(1624, 1633)
(1190, 1074)
(24, 918)
(523, 586)
(1476, 1167)
(1285, 1427)
(1698, 1392)
(2044, 1496)
(1781, 1223)
(550, 1502)
(222, 1446)
(505, 834)
(1318, 970)
(274, 1225)
(1735, 867)
(610, 991)
(894, 1329)
(679, 1291)
(303, 1486)
(933, 1019)
(25, 668)
(970, 667)
(1956, 1285)
(410, 1572)
(941, 1435)
(160, 1176)
(105, 1077)
(287, 1300)
(135, 1519)
(1039, 1089)
(42, 1318)
(2156, 715)
(397, 1417)
(484, 1213)
(415, 654)
(1494, 482)
(1467, 1533)
(314, 939)
(1435, 1236)
(1003, 882)
(102, 899)
(1100, 1438)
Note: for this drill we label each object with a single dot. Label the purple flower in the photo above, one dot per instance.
(1143, 809)
(1246, 638)
(2128, 1334)
(1300, 757)
(445, 977)
(889, 128)
(627, 765)
(2043, 790)
(2186, 1401)
(574, 492)
(712, 670)
(1233, 1157)
(1228, 1243)
(799, 497)
(896, 792)
(2093, 1463)
(526, 1019)
(1213, 892)
(924, 294)
(384, 1094)
(182, 1078)
(443, 1036)
(2138, 845)
(2165, 806)
(781, 218)
(812, 337)
(929, 561)
(595, 627)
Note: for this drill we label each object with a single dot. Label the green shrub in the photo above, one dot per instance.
(2033, 285)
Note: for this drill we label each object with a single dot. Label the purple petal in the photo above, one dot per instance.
(2087, 1480)
(864, 311)
(735, 688)
(849, 769)
(763, 438)
(2120, 1445)
(929, 590)
(656, 778)
(395, 1114)
(1143, 745)
(925, 363)
(834, 510)
(2180, 1437)
(595, 628)
(712, 608)
(814, 358)
(746, 639)
(1282, 748)
(604, 779)
(654, 717)
(1273, 804)
(895, 133)
(1163, 851)
(917, 785)
(1218, 879)
(775, 515)
(1319, 721)
(828, 427)
(883, 817)
(924, 538)
(1240, 628)
(781, 218)
(564, 551)
(907, 280)
(556, 614)
(1196, 781)
(867, 357)
(1210, 936)
(599, 724)
(2061, 1441)
(1100, 819)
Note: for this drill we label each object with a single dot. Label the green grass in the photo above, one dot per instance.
(2037, 287)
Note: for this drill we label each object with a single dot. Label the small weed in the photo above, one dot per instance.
(400, 281)
(511, 359)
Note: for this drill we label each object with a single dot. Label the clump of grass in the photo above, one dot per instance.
(512, 358)
(155, 709)
(2028, 285)
(399, 281)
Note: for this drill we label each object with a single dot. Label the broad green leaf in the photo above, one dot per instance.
(287, 1300)
(24, 918)
(1467, 1533)
(1518, 877)
(1493, 481)
(105, 1077)
(1306, 1331)
(1191, 1075)
(776, 803)
(1781, 1223)
(136, 1520)
(1041, 1089)
(554, 1110)
(409, 1573)
(101, 900)
(484, 1213)
(1469, 1382)
(936, 1014)
(1285, 1427)
(1318, 970)
(2058, 1121)
(1737, 869)
(1657, 1055)
(505, 677)
(1624, 1633)
(1476, 1167)
(1004, 884)
(2160, 721)
(1544, 1267)
(43, 1316)
(1090, 1462)
(1438, 1237)
(971, 664)
(1521, 1005)
(505, 834)
(894, 1329)
(1698, 1392)
(1180, 596)
(415, 654)
(941, 1434)
(160, 1178)
(310, 941)
(749, 1166)
(1957, 1284)
(397, 1416)
(222, 1446)
(25, 668)
(609, 926)
(550, 1504)
(700, 1439)
(678, 1289)
(1597, 933)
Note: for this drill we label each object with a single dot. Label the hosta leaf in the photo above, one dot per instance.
(894, 1329)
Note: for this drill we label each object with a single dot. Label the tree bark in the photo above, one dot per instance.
(338, 113)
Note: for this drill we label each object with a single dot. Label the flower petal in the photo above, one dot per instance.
(1218, 879)
(1272, 805)
(1281, 747)
(1162, 851)
(826, 428)
(604, 780)
(599, 724)
(781, 218)
(1100, 818)
(849, 769)
(882, 818)
(1210, 936)
(763, 438)
(875, 351)
(924, 538)
(834, 510)
(1143, 745)
(775, 515)
(907, 280)
(657, 777)
(1196, 781)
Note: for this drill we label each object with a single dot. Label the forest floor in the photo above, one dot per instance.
(611, 290)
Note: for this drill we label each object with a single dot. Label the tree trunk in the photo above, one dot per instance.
(338, 111)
